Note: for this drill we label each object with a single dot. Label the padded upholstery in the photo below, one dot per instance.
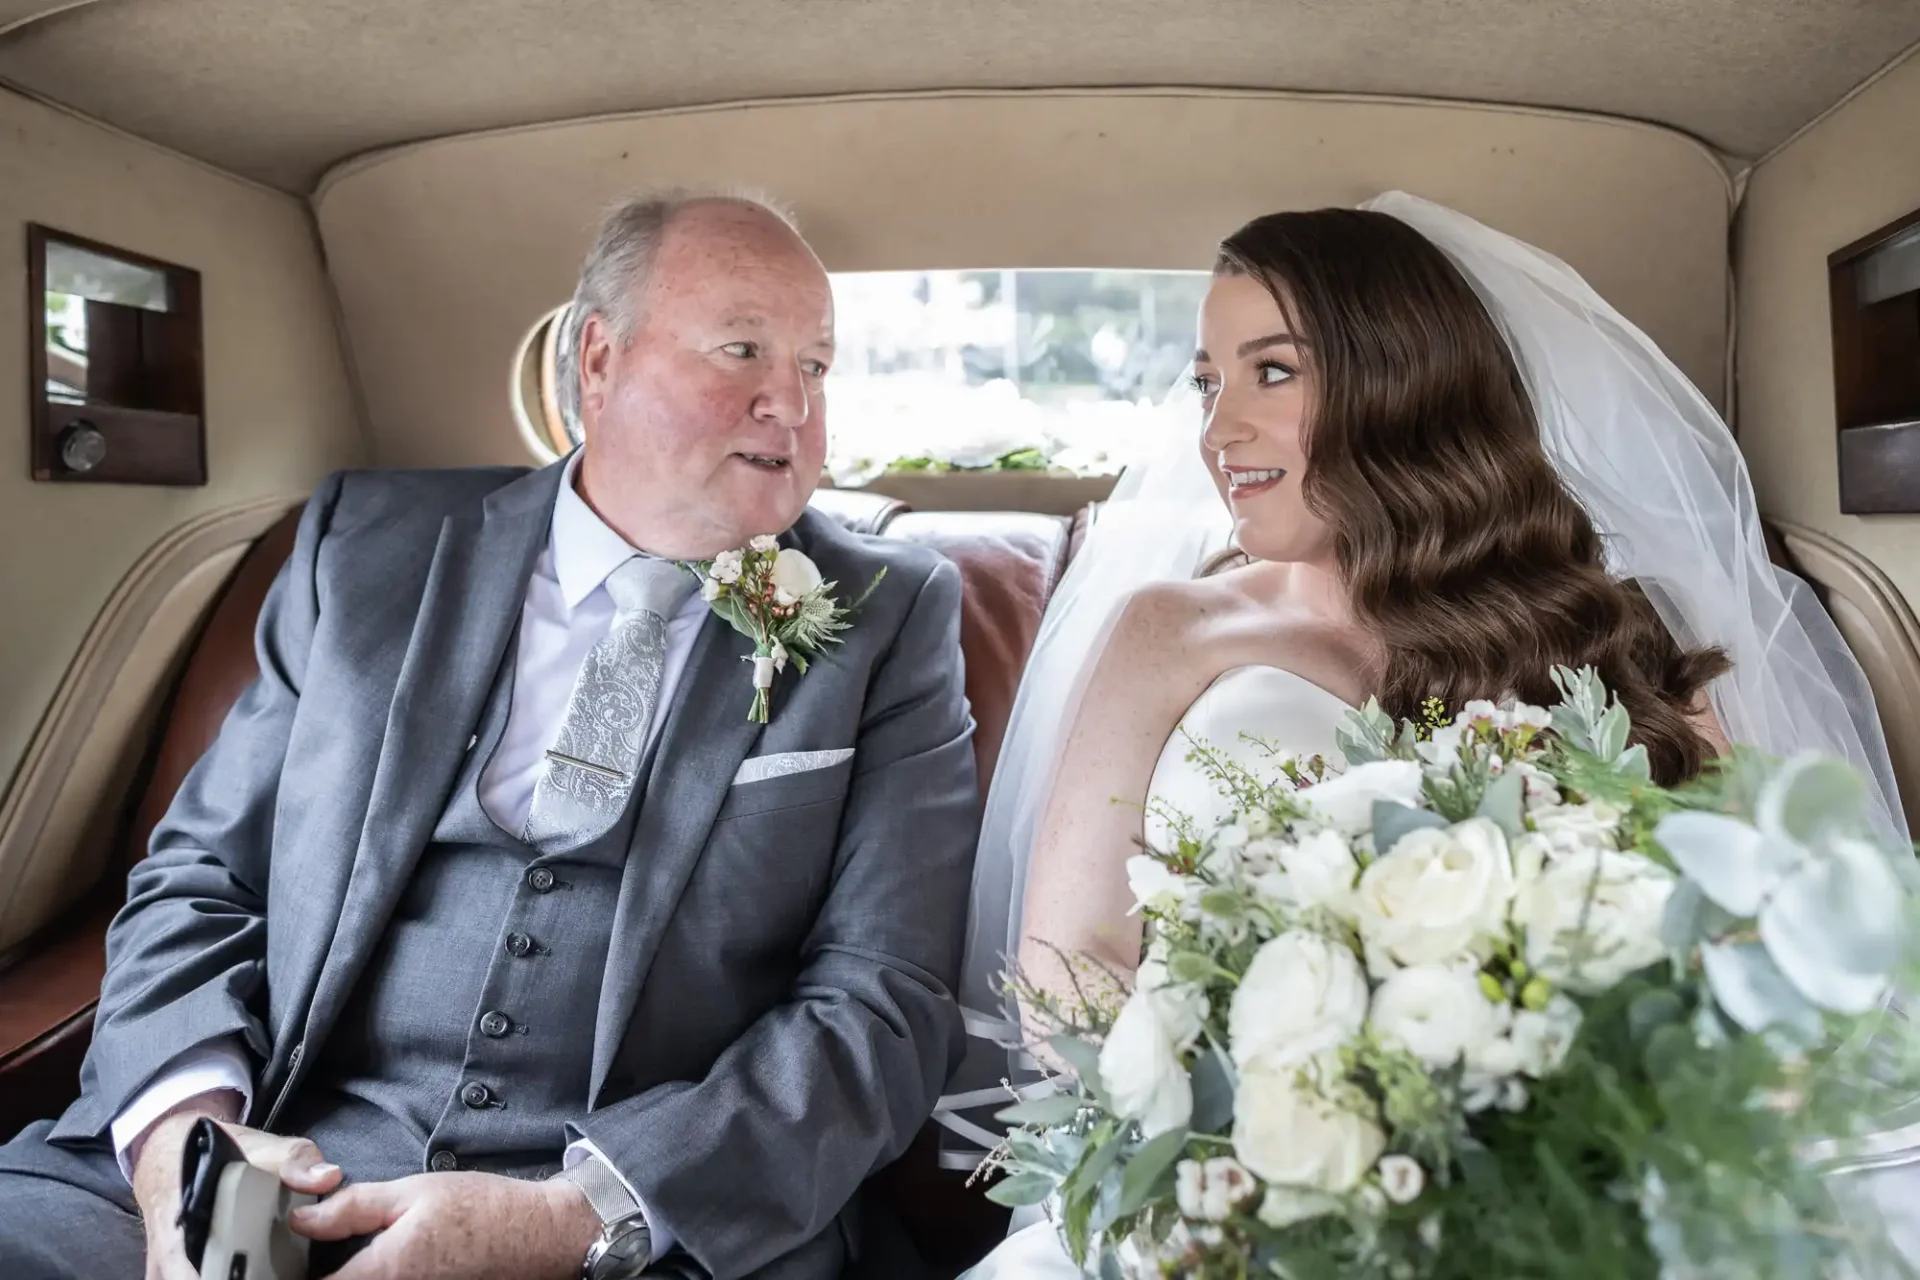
(47, 1000)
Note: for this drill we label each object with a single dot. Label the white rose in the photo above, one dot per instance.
(1438, 893)
(1142, 1070)
(1479, 711)
(1301, 996)
(1155, 887)
(1301, 1138)
(1317, 871)
(794, 574)
(1541, 1039)
(1181, 1006)
(1210, 1192)
(1442, 750)
(1527, 715)
(1282, 1206)
(1345, 802)
(727, 566)
(764, 543)
(1593, 917)
(1541, 790)
(710, 589)
(1568, 829)
(1402, 1178)
(1438, 1014)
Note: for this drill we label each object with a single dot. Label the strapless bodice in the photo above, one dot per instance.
(1287, 713)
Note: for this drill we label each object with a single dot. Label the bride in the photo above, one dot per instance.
(1444, 465)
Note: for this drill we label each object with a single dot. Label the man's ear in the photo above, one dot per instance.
(596, 363)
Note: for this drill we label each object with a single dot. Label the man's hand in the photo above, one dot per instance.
(477, 1226)
(156, 1175)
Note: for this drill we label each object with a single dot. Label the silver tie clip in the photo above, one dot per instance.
(588, 765)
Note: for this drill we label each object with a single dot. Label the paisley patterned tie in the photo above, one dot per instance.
(591, 768)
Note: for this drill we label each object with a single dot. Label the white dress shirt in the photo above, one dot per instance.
(566, 612)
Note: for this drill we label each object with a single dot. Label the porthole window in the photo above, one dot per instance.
(536, 407)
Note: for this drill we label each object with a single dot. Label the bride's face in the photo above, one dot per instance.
(1256, 391)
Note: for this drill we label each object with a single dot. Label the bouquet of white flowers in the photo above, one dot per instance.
(1486, 1003)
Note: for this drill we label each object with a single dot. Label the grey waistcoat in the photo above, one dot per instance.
(468, 1042)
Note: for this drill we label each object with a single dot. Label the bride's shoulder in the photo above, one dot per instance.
(1173, 616)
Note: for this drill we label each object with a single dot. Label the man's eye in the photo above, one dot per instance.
(815, 369)
(739, 350)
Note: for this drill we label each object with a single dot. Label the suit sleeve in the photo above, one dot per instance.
(186, 955)
(758, 1157)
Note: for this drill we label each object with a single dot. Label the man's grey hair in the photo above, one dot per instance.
(614, 277)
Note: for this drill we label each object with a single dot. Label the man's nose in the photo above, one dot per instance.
(784, 398)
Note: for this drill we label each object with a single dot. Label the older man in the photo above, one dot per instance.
(490, 912)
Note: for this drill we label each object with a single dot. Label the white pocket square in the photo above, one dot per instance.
(783, 763)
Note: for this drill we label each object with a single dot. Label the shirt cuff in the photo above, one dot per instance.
(583, 1149)
(207, 1068)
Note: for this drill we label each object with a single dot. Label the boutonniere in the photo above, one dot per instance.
(774, 597)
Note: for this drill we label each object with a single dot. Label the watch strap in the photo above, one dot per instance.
(604, 1190)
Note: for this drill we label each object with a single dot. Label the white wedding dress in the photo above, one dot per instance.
(1281, 712)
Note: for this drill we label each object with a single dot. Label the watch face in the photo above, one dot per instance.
(626, 1254)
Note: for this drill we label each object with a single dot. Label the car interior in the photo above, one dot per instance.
(255, 243)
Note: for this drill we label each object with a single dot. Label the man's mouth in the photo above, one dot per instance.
(765, 461)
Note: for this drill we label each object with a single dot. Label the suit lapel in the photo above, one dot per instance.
(706, 736)
(468, 613)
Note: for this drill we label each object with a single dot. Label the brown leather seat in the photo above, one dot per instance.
(1009, 562)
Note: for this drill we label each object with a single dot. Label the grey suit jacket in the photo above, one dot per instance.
(776, 1017)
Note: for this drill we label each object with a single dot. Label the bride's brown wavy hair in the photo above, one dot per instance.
(1459, 546)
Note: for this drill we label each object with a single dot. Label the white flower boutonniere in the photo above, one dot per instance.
(774, 597)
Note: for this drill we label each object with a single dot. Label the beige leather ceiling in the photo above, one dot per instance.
(280, 89)
(1856, 171)
(279, 413)
(444, 253)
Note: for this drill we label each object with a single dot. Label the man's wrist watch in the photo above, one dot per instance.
(625, 1244)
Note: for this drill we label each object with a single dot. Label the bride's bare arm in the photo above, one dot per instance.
(1077, 898)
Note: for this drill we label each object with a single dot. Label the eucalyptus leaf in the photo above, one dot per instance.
(1652, 1010)
(1365, 734)
(1078, 1054)
(1212, 1092)
(1682, 923)
(1750, 989)
(1110, 1266)
(1633, 762)
(1190, 966)
(1034, 1153)
(1103, 1148)
(1610, 734)
(1150, 1168)
(1391, 820)
(1669, 1046)
(1836, 926)
(1734, 864)
(1058, 1109)
(1709, 1026)
(1503, 803)
(1222, 903)
(1021, 1189)
(1812, 796)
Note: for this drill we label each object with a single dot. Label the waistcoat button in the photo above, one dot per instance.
(494, 1023)
(519, 945)
(443, 1162)
(476, 1095)
(540, 879)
